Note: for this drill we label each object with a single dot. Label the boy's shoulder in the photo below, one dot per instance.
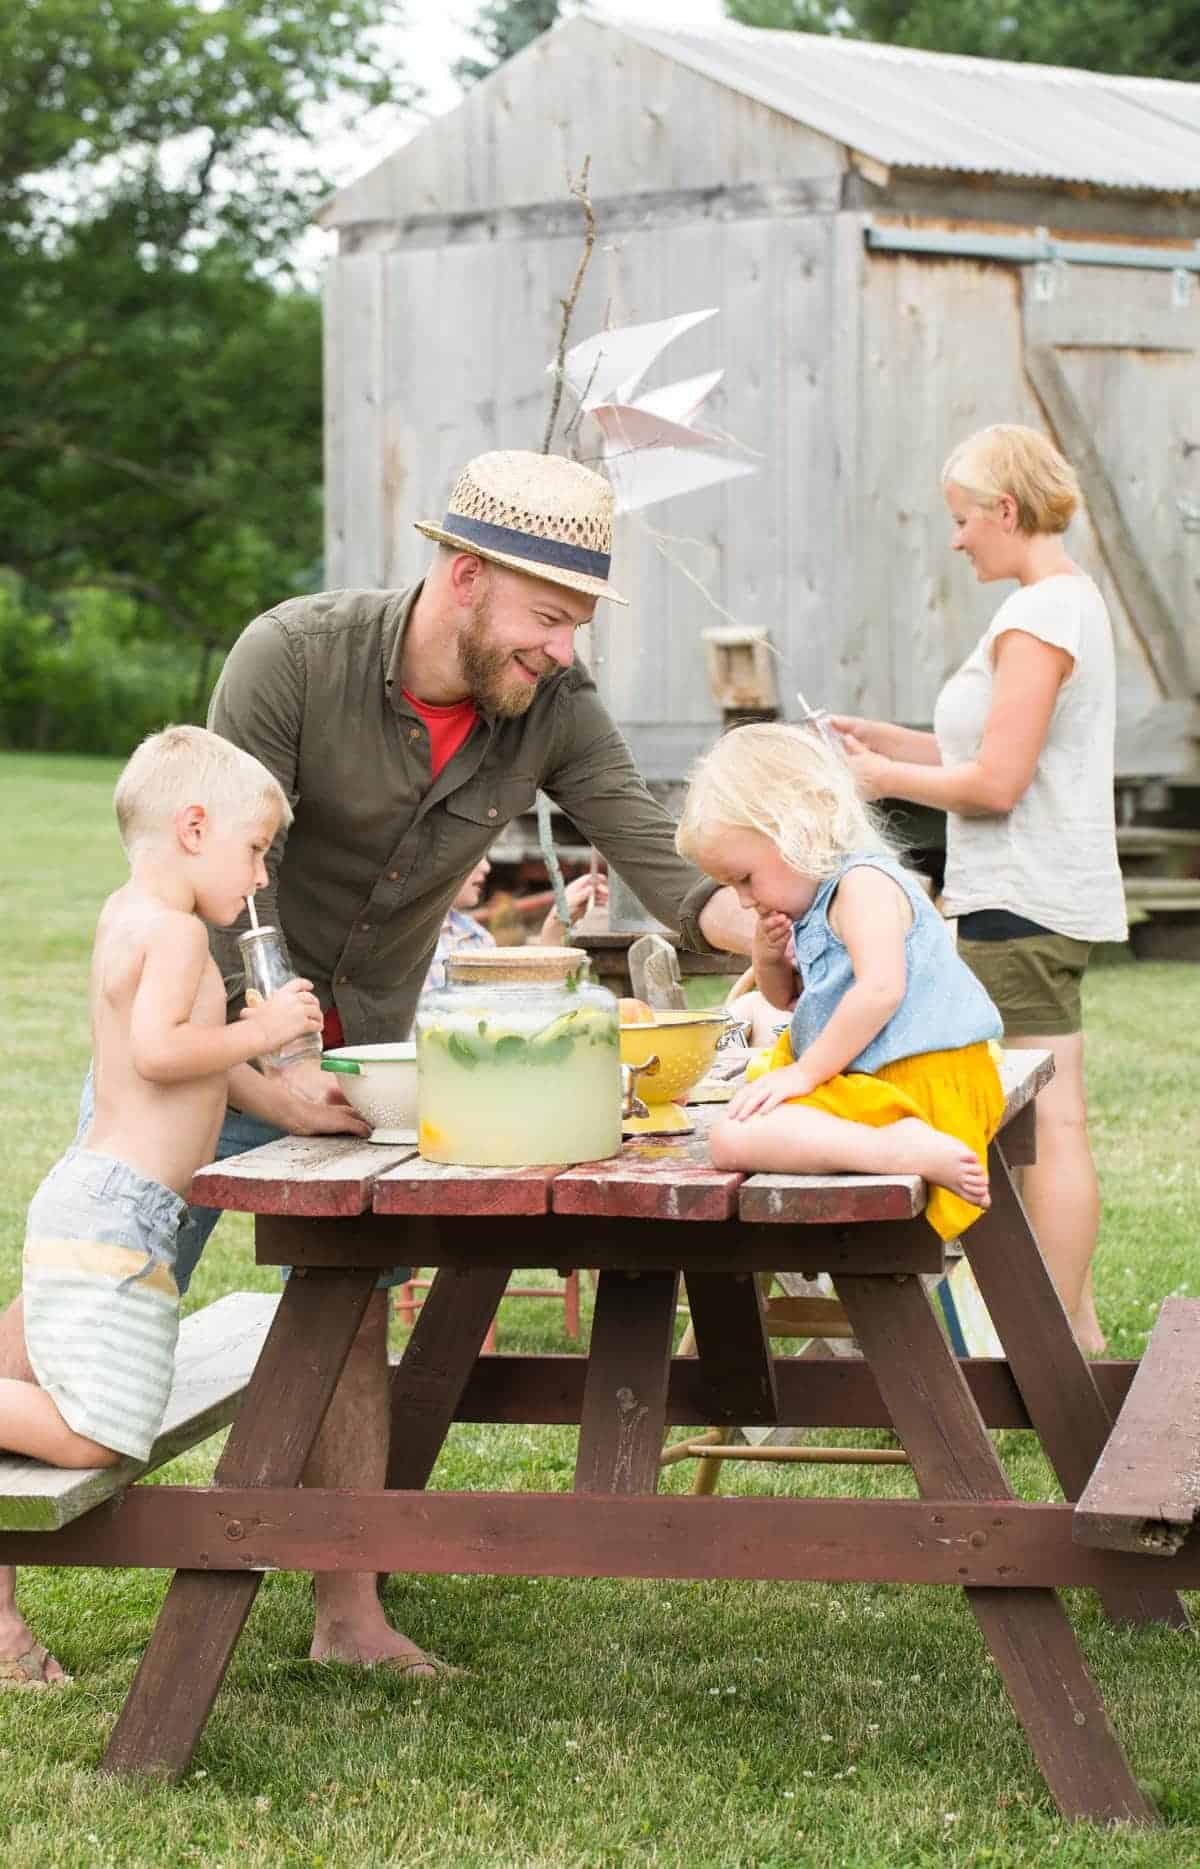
(139, 921)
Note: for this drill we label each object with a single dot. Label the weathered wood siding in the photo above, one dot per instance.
(941, 355)
(584, 89)
(439, 353)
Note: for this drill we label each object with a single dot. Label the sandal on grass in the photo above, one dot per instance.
(29, 1670)
(411, 1667)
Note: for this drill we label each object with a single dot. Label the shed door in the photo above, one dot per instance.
(1111, 353)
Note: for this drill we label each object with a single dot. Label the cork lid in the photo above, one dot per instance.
(515, 966)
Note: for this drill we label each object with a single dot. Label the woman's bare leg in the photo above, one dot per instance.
(796, 1140)
(1060, 1190)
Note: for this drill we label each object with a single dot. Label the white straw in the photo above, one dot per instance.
(250, 906)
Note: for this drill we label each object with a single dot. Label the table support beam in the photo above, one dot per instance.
(1026, 1630)
(430, 1378)
(625, 1394)
(204, 1611)
(1054, 1377)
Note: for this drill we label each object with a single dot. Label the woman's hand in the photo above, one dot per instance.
(769, 1091)
(870, 732)
(872, 772)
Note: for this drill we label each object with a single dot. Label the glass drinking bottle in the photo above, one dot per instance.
(267, 968)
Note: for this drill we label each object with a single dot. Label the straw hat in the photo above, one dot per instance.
(537, 513)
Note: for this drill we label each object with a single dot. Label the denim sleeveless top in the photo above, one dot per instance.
(944, 1006)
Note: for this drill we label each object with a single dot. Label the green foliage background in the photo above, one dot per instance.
(160, 427)
(1156, 40)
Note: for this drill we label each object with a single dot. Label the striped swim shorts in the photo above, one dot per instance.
(101, 1305)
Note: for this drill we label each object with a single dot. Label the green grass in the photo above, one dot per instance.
(603, 1723)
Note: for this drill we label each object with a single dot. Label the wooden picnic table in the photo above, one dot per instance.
(339, 1211)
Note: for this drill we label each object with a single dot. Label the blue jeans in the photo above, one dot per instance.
(239, 1132)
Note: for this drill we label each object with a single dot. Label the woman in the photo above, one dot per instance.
(1021, 761)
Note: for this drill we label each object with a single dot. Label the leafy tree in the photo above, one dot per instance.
(1160, 39)
(504, 27)
(160, 418)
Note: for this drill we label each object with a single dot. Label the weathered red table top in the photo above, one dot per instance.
(653, 1178)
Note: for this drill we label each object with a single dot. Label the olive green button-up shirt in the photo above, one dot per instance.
(378, 848)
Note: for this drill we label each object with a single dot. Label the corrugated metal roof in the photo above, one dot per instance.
(933, 110)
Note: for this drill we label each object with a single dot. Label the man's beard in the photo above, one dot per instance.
(486, 670)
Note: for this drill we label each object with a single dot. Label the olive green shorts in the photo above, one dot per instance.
(1034, 981)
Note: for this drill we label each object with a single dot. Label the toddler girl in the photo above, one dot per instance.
(887, 1066)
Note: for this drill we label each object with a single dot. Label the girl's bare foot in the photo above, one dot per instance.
(945, 1161)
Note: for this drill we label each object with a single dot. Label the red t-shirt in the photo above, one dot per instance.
(449, 729)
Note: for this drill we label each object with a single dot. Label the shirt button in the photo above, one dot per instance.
(492, 812)
(393, 876)
(414, 733)
(343, 979)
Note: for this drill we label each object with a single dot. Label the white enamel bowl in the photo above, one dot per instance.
(380, 1081)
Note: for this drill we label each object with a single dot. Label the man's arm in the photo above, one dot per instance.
(595, 781)
(258, 703)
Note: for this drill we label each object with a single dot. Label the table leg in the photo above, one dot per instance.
(731, 1338)
(1026, 1630)
(203, 1611)
(1056, 1382)
(429, 1380)
(625, 1394)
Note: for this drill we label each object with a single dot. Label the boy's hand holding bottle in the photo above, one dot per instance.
(291, 1012)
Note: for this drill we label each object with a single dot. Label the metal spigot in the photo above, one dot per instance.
(631, 1103)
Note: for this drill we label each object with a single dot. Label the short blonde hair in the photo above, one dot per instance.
(1008, 458)
(789, 784)
(184, 766)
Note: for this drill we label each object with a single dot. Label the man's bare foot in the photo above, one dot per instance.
(367, 1644)
(23, 1661)
(946, 1162)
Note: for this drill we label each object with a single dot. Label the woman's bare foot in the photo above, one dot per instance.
(944, 1160)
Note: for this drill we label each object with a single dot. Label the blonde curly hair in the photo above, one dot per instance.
(789, 784)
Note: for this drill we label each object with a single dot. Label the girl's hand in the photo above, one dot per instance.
(791, 1080)
(773, 937)
(872, 772)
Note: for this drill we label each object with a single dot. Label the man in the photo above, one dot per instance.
(407, 727)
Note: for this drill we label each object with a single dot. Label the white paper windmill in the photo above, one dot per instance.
(652, 446)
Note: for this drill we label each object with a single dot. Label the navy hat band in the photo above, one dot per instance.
(530, 545)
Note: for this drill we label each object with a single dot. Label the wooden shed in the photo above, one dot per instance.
(902, 246)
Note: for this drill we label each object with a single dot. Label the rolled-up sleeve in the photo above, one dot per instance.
(258, 703)
(594, 779)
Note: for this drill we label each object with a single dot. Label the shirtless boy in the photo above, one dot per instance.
(197, 816)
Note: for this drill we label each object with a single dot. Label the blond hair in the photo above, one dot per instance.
(1020, 462)
(184, 766)
(789, 784)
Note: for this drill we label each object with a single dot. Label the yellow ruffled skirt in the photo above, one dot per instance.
(955, 1091)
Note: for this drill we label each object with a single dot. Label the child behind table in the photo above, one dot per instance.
(887, 1065)
(197, 816)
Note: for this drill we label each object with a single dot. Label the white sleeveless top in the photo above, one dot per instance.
(1053, 857)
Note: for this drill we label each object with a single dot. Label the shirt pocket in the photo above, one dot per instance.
(479, 810)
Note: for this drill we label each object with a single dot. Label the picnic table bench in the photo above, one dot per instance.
(339, 1211)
